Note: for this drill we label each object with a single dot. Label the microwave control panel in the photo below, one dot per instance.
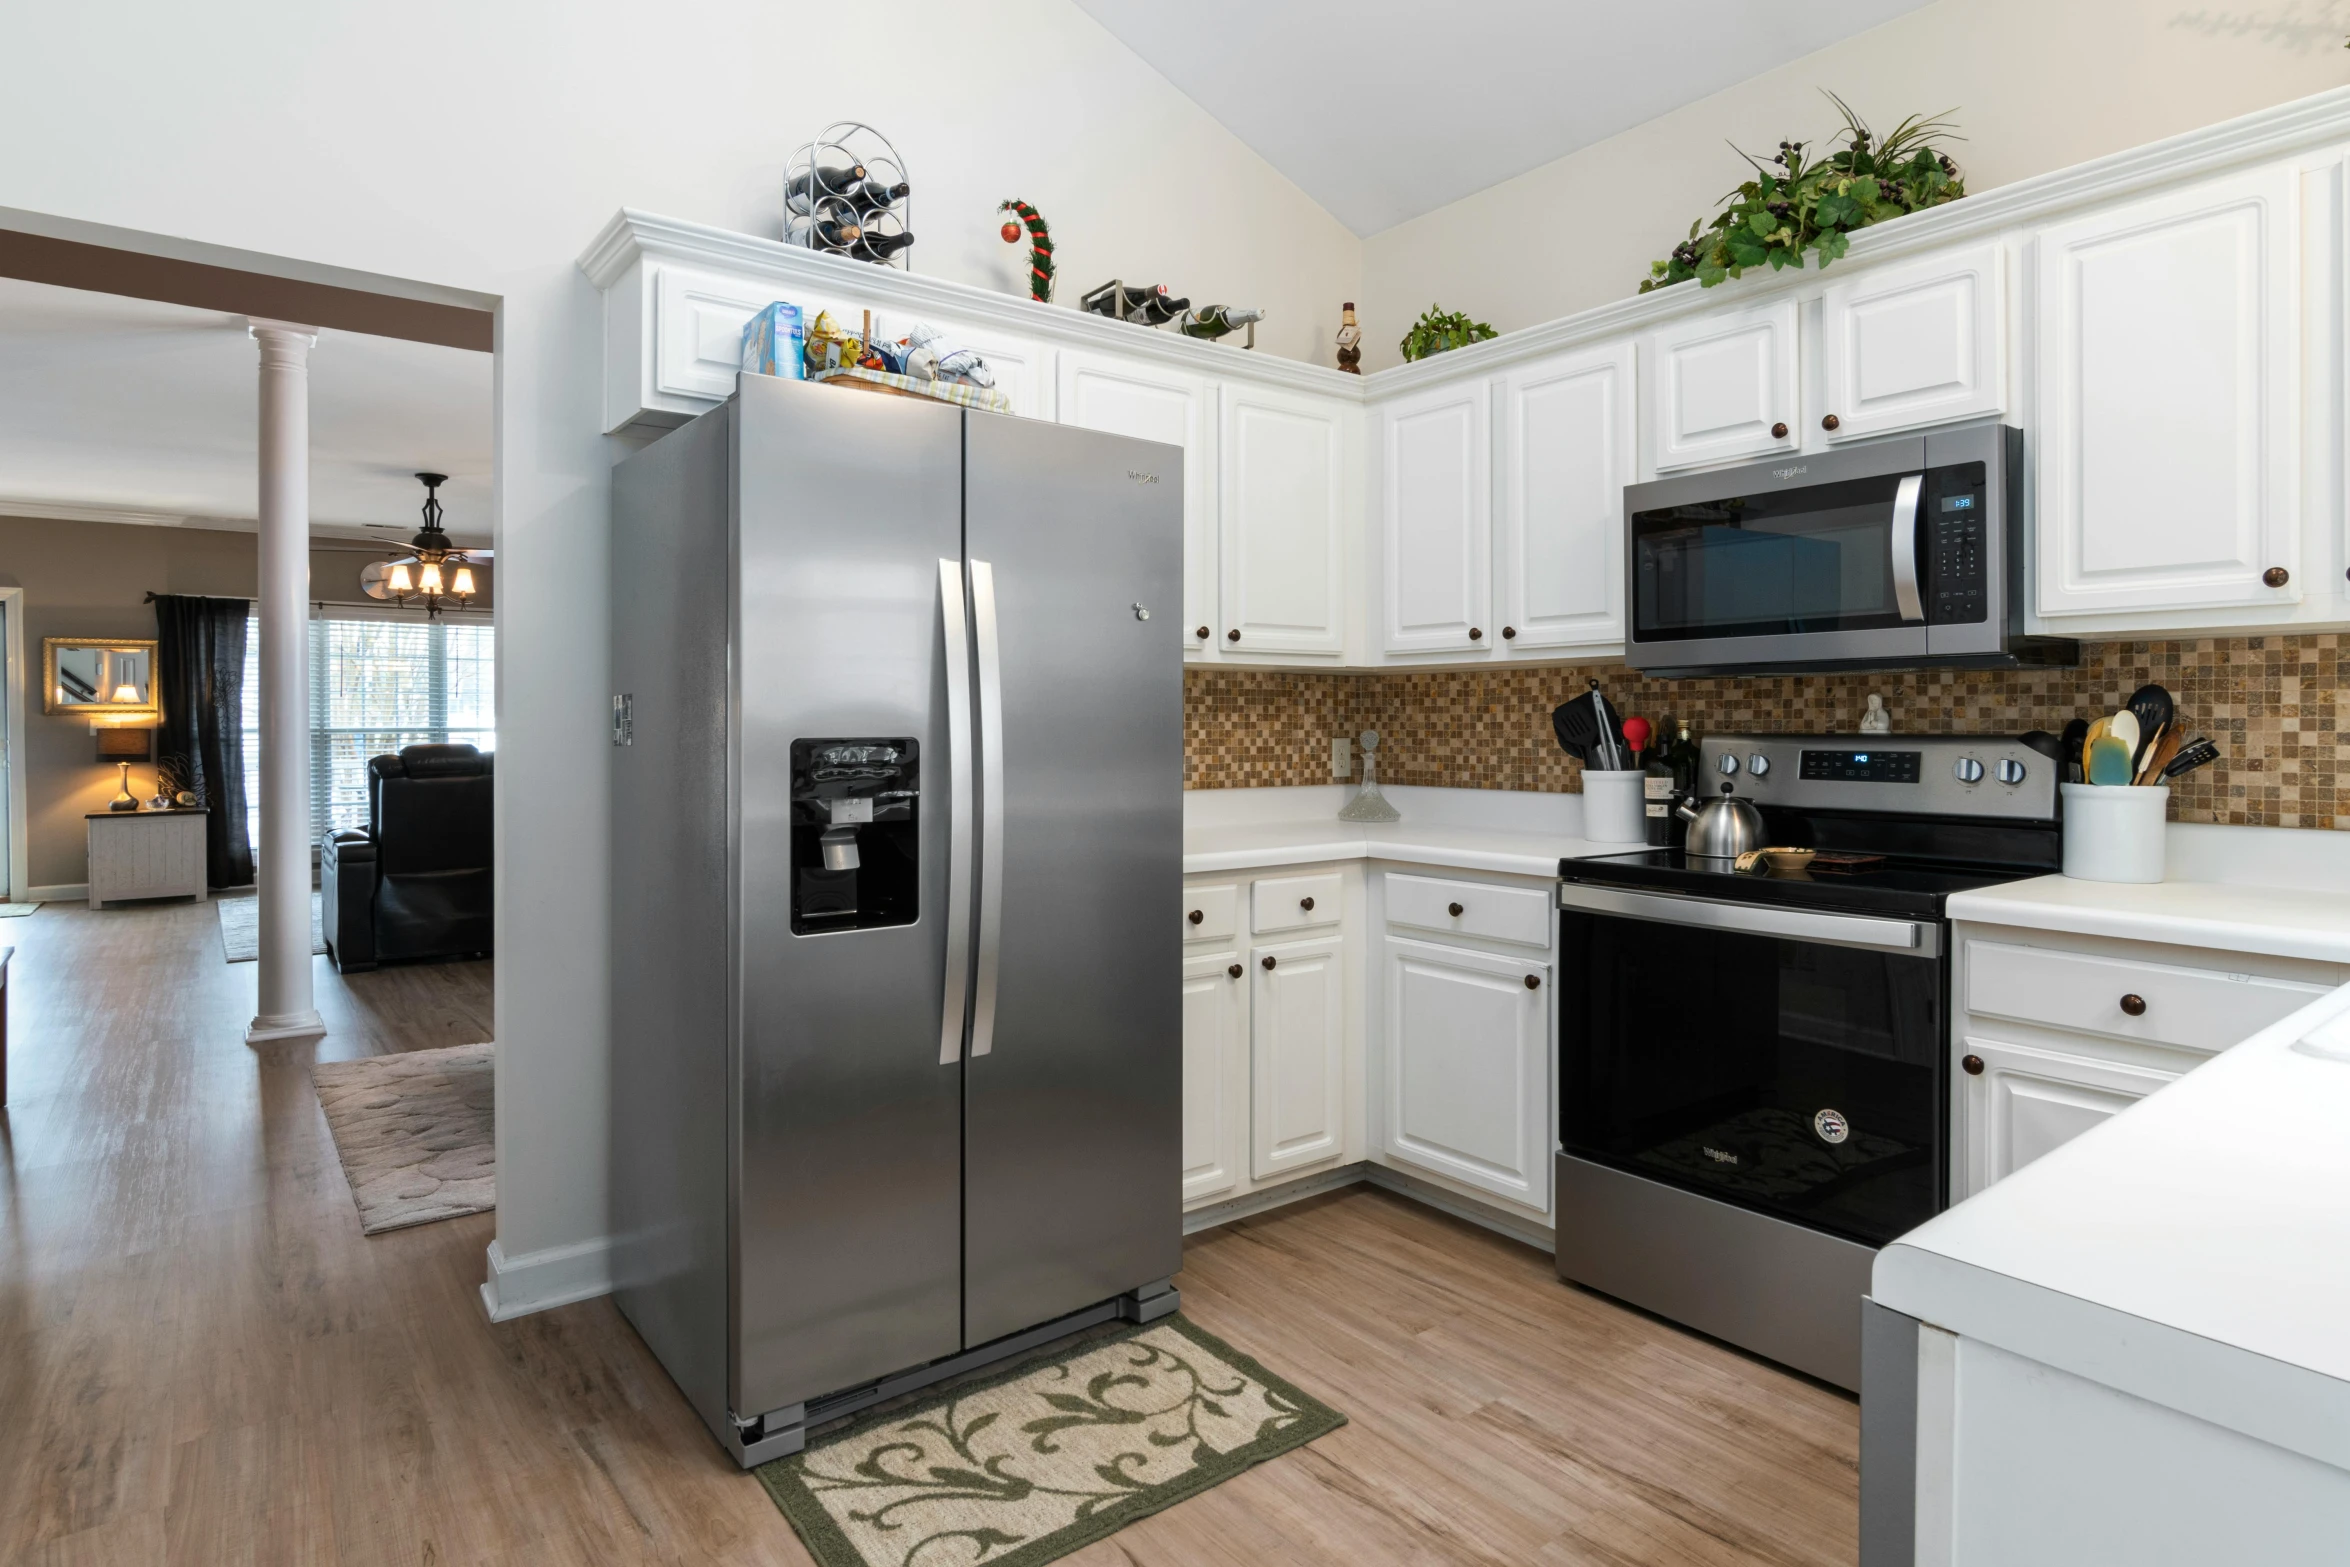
(1955, 504)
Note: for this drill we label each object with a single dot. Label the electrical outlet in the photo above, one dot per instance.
(1342, 757)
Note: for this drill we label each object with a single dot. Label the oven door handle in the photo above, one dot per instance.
(1902, 547)
(1915, 938)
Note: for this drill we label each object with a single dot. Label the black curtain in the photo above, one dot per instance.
(200, 680)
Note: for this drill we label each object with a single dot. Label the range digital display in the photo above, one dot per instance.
(1861, 766)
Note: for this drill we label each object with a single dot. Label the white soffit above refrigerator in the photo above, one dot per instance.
(1387, 110)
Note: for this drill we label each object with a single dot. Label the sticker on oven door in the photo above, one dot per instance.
(1831, 1126)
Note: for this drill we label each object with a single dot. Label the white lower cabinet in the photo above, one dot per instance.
(1465, 1067)
(1215, 1075)
(2022, 1101)
(1297, 1054)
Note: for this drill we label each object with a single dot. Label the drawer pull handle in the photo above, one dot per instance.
(1306, 904)
(1475, 635)
(1455, 910)
(1534, 982)
(1509, 633)
(1831, 422)
(1196, 915)
(2276, 576)
(2134, 1005)
(1778, 432)
(1233, 635)
(1268, 961)
(1203, 633)
(1234, 971)
(1973, 1065)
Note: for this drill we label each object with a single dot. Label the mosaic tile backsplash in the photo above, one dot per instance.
(2270, 703)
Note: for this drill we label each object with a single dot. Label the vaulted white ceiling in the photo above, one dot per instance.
(120, 409)
(1382, 110)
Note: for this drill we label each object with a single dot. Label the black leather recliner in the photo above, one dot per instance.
(417, 882)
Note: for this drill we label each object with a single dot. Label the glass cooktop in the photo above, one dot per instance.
(1878, 884)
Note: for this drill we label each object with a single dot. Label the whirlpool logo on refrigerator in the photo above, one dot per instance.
(1139, 477)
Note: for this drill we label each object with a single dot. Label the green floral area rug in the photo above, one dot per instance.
(1030, 1464)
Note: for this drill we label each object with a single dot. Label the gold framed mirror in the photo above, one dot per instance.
(97, 677)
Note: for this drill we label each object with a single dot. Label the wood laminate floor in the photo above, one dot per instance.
(202, 1361)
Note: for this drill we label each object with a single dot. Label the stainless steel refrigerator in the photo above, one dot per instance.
(896, 841)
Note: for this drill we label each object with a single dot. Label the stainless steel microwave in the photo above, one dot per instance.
(1891, 554)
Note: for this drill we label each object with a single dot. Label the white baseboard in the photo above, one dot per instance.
(63, 892)
(1517, 1227)
(542, 1280)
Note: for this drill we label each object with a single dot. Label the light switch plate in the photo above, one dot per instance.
(1342, 757)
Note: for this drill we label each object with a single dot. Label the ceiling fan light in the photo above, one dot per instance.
(462, 583)
(428, 577)
(399, 580)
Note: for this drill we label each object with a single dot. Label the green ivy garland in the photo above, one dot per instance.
(1438, 330)
(1793, 206)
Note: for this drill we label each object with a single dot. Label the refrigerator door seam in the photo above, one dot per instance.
(991, 804)
(956, 644)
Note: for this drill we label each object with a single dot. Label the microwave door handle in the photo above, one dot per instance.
(956, 643)
(1902, 548)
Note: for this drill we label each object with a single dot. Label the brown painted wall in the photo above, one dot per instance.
(91, 579)
(2271, 704)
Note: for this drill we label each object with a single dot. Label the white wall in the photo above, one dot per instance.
(2036, 85)
(480, 146)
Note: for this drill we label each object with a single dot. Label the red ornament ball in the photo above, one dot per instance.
(1011, 232)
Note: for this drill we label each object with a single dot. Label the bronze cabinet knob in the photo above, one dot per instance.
(1455, 910)
(1196, 915)
(1306, 904)
(2276, 576)
(1831, 422)
(1233, 635)
(1509, 633)
(1534, 982)
(1268, 960)
(1476, 635)
(1973, 1065)
(1234, 971)
(1778, 432)
(2134, 1005)
(1203, 633)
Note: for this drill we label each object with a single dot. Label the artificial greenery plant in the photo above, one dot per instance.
(1438, 330)
(1793, 206)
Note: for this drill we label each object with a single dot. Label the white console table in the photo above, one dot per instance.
(146, 854)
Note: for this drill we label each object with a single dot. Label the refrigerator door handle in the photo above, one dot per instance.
(956, 644)
(991, 805)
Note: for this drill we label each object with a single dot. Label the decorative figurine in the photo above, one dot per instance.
(1369, 805)
(1350, 340)
(1876, 721)
(1040, 247)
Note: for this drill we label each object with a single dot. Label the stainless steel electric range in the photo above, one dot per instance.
(1753, 1066)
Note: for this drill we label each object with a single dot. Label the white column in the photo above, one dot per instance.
(286, 1009)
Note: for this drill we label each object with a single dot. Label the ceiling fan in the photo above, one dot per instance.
(434, 570)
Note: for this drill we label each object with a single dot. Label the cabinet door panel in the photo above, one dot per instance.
(2026, 1102)
(1281, 481)
(1567, 452)
(1916, 345)
(1099, 392)
(1725, 382)
(2169, 430)
(1215, 1075)
(1297, 1041)
(1437, 514)
(1467, 1068)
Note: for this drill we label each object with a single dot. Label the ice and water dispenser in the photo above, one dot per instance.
(855, 834)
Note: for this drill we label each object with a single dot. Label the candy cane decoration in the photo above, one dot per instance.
(1040, 247)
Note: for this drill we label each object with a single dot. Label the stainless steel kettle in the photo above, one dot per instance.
(1724, 830)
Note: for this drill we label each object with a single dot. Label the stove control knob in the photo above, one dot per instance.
(1758, 764)
(1728, 765)
(1968, 770)
(2009, 771)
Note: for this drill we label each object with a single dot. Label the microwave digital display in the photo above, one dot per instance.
(1958, 503)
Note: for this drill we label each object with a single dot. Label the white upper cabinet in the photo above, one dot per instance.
(2168, 423)
(1436, 533)
(1285, 514)
(1914, 345)
(1153, 403)
(1725, 386)
(1567, 450)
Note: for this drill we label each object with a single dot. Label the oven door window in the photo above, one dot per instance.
(1814, 559)
(1795, 1078)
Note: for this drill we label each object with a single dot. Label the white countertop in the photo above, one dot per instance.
(1520, 833)
(2274, 890)
(2194, 1250)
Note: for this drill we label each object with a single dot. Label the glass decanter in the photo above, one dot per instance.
(1369, 805)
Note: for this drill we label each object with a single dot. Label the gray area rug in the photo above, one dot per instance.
(414, 1132)
(240, 927)
(16, 911)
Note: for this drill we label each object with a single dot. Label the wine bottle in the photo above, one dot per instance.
(811, 187)
(832, 233)
(1685, 760)
(1659, 792)
(1157, 309)
(1213, 321)
(872, 194)
(879, 248)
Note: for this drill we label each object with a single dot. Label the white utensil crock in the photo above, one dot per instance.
(1612, 805)
(2114, 833)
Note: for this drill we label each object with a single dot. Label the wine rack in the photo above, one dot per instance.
(846, 192)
